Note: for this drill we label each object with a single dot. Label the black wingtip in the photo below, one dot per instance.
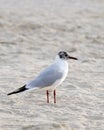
(18, 90)
(9, 94)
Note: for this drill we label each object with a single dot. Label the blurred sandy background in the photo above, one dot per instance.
(31, 34)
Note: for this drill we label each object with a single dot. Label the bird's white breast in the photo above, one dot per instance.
(62, 66)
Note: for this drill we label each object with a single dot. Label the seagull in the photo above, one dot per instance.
(50, 77)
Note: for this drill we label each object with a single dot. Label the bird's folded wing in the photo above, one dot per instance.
(46, 78)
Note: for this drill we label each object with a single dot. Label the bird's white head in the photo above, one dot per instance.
(64, 55)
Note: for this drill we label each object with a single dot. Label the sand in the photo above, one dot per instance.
(31, 34)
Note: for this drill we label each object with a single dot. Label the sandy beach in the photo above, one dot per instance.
(31, 34)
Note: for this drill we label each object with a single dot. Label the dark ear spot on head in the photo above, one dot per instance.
(60, 56)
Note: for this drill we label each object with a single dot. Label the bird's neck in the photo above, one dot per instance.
(62, 65)
(60, 61)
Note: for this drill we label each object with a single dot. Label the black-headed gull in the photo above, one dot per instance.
(51, 77)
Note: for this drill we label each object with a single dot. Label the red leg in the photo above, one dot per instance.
(47, 93)
(54, 94)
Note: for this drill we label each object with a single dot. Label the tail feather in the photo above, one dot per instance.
(18, 90)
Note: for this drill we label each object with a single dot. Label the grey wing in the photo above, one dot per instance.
(46, 78)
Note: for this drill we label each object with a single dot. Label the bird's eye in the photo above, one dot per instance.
(65, 54)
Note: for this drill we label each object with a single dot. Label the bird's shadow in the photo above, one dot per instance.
(46, 126)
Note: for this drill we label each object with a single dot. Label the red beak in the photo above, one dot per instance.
(74, 58)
